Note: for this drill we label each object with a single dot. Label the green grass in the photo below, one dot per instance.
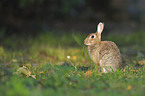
(56, 75)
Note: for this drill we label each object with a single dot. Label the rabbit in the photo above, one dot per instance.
(105, 54)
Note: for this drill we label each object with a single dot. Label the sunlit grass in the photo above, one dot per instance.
(61, 61)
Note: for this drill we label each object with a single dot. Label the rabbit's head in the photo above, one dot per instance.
(94, 38)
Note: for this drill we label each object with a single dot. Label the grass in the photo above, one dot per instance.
(46, 57)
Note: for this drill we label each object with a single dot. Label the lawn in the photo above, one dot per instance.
(56, 63)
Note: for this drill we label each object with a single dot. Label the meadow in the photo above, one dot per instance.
(57, 63)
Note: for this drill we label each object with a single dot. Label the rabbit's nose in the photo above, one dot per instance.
(87, 43)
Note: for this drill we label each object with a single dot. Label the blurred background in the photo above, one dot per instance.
(56, 29)
(31, 17)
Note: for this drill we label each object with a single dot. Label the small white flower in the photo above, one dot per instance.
(68, 57)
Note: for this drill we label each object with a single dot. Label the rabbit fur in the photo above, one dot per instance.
(105, 54)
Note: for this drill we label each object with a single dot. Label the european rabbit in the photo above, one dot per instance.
(104, 53)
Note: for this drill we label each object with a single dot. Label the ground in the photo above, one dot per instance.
(57, 63)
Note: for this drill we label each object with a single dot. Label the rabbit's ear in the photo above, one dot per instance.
(100, 28)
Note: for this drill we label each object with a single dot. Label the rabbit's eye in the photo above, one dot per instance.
(92, 36)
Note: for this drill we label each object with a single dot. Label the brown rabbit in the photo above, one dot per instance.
(104, 53)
